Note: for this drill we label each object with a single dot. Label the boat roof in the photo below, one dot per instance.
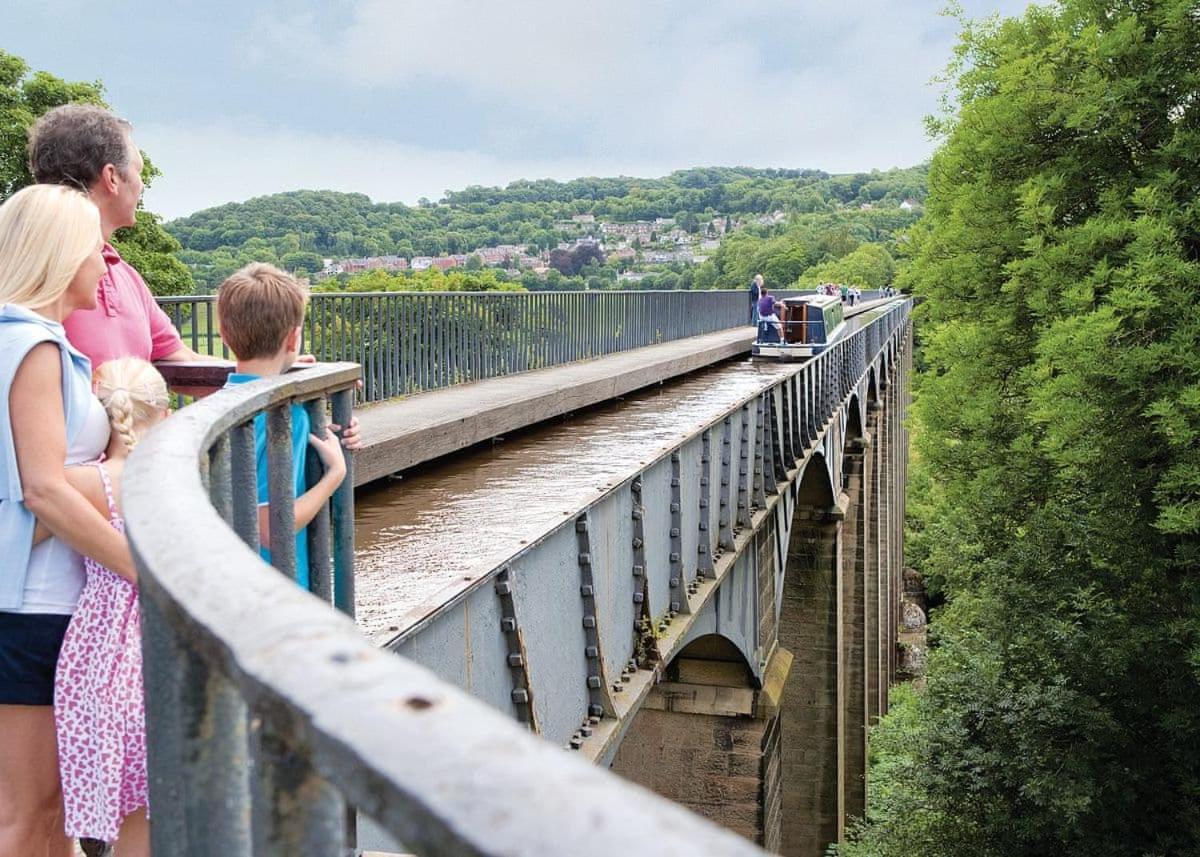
(818, 300)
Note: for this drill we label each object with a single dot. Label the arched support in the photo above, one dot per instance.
(707, 737)
(808, 627)
(854, 620)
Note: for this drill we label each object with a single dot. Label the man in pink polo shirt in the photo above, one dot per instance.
(90, 148)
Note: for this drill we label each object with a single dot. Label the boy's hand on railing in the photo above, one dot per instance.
(351, 439)
(329, 450)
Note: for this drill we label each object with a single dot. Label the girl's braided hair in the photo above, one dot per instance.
(132, 393)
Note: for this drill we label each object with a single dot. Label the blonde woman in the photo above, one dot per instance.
(50, 261)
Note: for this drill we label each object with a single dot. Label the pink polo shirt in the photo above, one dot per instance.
(126, 321)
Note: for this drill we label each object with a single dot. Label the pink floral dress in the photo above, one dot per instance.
(99, 706)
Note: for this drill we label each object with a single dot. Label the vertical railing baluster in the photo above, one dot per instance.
(220, 482)
(244, 477)
(210, 327)
(281, 489)
(320, 570)
(343, 516)
(294, 810)
(196, 744)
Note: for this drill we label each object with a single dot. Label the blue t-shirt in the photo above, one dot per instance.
(300, 431)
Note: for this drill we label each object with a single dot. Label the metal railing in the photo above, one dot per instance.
(269, 716)
(408, 342)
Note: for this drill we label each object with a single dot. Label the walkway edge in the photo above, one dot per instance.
(401, 434)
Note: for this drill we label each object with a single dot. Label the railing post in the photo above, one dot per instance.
(245, 483)
(343, 516)
(196, 743)
(294, 810)
(281, 489)
(320, 571)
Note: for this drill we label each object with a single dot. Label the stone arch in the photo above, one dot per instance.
(872, 386)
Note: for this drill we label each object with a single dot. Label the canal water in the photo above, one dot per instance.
(419, 538)
(462, 516)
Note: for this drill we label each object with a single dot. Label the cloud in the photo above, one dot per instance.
(726, 81)
(406, 98)
(217, 163)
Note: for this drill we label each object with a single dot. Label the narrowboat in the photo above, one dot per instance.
(807, 326)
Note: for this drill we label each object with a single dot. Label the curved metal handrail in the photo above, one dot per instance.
(269, 714)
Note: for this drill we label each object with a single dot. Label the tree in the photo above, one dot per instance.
(1058, 430)
(23, 98)
(586, 254)
(562, 261)
(151, 251)
(870, 266)
(302, 262)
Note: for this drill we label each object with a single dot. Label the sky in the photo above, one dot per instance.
(402, 99)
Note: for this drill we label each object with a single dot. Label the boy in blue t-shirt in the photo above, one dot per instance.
(260, 310)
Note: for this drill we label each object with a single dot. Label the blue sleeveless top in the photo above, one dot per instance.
(20, 330)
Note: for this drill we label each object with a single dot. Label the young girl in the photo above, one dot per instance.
(98, 702)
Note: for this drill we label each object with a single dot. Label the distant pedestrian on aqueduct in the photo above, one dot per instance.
(756, 291)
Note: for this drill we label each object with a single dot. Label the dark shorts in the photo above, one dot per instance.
(29, 645)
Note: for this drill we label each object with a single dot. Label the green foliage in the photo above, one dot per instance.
(339, 225)
(785, 254)
(429, 280)
(23, 98)
(151, 250)
(1056, 429)
(869, 266)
